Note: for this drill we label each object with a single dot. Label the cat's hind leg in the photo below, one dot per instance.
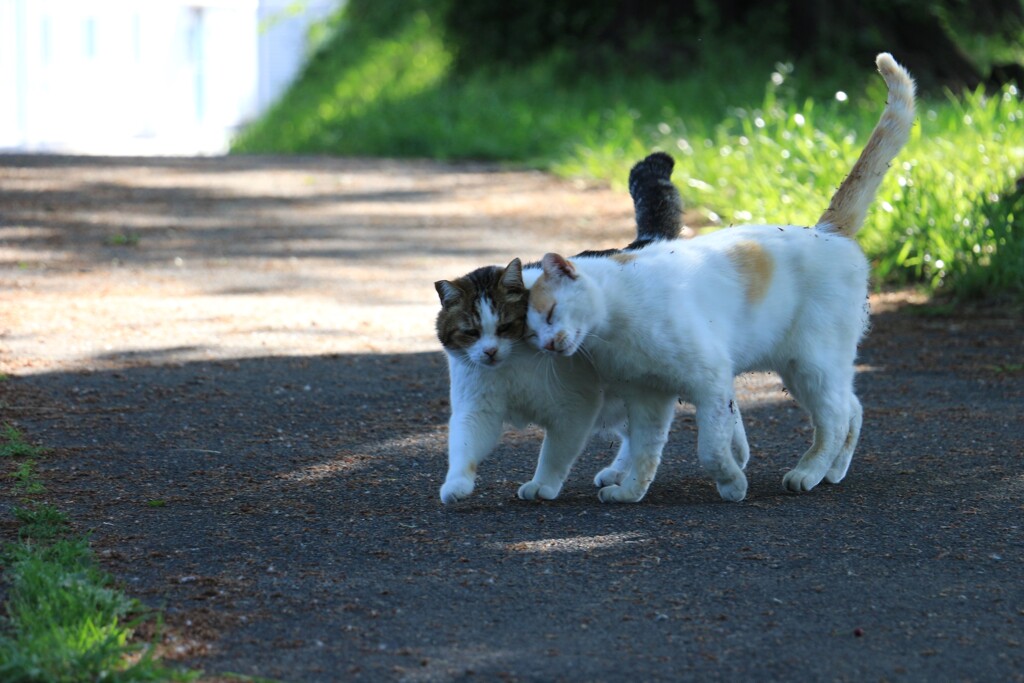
(471, 438)
(841, 463)
(825, 394)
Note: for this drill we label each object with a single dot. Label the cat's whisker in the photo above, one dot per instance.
(584, 352)
(553, 377)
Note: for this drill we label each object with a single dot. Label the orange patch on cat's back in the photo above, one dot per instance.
(624, 258)
(755, 266)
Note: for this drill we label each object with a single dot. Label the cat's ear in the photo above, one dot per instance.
(512, 278)
(555, 266)
(448, 292)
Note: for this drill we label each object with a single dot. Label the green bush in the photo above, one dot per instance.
(753, 142)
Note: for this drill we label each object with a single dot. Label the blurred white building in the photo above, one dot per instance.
(144, 76)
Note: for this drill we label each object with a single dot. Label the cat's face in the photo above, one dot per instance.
(483, 314)
(560, 313)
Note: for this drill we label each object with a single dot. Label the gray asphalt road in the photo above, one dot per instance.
(282, 507)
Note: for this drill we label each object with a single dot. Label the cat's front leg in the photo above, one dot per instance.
(613, 474)
(613, 419)
(718, 424)
(563, 443)
(650, 417)
(471, 438)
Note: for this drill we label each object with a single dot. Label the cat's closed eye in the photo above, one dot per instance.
(470, 333)
(506, 328)
(551, 313)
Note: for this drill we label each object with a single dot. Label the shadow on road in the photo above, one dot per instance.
(208, 348)
(285, 511)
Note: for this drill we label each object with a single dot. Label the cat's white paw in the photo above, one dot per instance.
(455, 490)
(609, 476)
(619, 494)
(837, 472)
(799, 480)
(741, 454)
(734, 490)
(834, 475)
(535, 490)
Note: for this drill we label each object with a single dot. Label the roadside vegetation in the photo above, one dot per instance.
(65, 620)
(755, 140)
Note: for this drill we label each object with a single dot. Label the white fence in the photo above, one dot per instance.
(143, 76)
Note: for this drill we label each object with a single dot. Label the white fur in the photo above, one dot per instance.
(520, 385)
(676, 322)
(489, 349)
(682, 318)
(562, 395)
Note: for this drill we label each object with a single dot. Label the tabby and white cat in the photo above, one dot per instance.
(683, 317)
(496, 378)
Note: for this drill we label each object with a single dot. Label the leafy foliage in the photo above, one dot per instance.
(579, 34)
(937, 38)
(753, 143)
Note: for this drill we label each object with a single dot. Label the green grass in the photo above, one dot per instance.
(122, 239)
(1010, 368)
(754, 141)
(13, 444)
(66, 621)
(947, 215)
(25, 480)
(40, 522)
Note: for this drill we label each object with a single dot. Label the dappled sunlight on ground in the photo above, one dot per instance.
(112, 263)
(361, 456)
(107, 263)
(573, 543)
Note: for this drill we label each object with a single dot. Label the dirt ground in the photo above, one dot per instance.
(232, 362)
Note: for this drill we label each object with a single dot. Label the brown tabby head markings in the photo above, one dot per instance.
(483, 314)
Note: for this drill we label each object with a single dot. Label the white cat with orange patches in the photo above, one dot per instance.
(684, 317)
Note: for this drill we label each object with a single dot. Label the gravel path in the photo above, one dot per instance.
(233, 363)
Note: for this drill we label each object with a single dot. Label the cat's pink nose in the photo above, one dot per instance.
(550, 346)
(491, 352)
